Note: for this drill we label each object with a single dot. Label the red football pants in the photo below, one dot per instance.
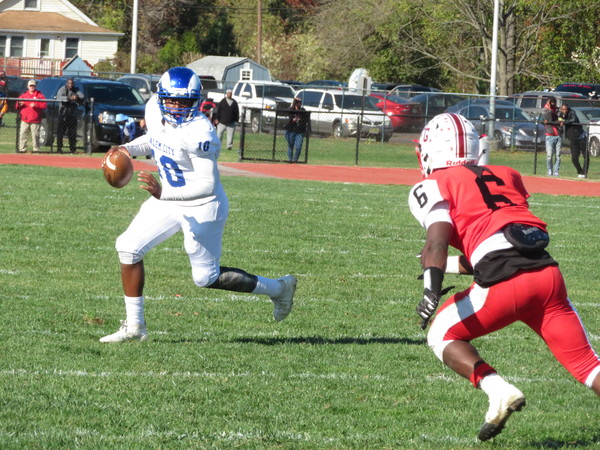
(537, 298)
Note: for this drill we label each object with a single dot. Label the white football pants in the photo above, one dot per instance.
(202, 228)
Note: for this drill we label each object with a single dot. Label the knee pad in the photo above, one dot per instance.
(126, 256)
(129, 258)
(204, 276)
(436, 343)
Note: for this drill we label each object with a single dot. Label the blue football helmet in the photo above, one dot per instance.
(179, 83)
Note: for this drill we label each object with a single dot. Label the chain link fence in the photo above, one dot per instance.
(60, 131)
(330, 143)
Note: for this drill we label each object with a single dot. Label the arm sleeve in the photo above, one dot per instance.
(139, 146)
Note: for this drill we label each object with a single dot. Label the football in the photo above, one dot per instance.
(118, 168)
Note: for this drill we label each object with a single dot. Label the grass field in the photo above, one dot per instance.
(349, 368)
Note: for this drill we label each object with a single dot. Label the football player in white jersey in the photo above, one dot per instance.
(189, 198)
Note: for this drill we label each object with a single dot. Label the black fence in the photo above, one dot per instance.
(376, 145)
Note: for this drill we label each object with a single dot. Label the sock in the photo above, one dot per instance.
(492, 383)
(482, 369)
(134, 309)
(267, 286)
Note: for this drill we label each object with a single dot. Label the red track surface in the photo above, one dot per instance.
(369, 175)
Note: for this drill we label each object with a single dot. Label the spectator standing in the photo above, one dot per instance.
(3, 83)
(483, 212)
(552, 131)
(70, 97)
(3, 96)
(31, 108)
(297, 127)
(226, 117)
(190, 198)
(577, 137)
(3, 107)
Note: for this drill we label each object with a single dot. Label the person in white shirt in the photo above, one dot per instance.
(189, 198)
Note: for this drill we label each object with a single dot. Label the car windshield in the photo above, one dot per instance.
(512, 114)
(592, 114)
(395, 98)
(114, 95)
(274, 91)
(356, 102)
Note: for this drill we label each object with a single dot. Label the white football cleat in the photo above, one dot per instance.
(285, 300)
(502, 405)
(127, 333)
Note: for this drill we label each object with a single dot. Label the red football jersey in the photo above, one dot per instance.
(481, 200)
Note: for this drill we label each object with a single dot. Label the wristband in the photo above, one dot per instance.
(453, 264)
(432, 279)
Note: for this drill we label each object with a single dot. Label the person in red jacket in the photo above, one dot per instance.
(31, 109)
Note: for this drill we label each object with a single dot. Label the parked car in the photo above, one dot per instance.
(383, 86)
(478, 101)
(293, 83)
(410, 90)
(513, 127)
(404, 114)
(339, 114)
(145, 84)
(109, 99)
(589, 118)
(588, 90)
(326, 84)
(533, 101)
(434, 103)
(16, 85)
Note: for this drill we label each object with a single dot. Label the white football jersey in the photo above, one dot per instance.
(186, 156)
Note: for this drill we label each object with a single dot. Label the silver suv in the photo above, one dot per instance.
(338, 113)
(533, 101)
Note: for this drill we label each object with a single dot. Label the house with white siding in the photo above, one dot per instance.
(38, 37)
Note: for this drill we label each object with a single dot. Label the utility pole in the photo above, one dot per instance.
(134, 30)
(259, 34)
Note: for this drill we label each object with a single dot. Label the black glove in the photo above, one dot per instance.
(426, 307)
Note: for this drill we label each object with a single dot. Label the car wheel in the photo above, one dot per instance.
(45, 136)
(337, 130)
(594, 147)
(255, 123)
(498, 137)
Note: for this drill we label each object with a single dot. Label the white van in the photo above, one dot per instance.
(337, 112)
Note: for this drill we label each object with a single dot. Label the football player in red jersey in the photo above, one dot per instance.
(483, 212)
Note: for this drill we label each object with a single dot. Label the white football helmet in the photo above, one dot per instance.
(447, 140)
(182, 84)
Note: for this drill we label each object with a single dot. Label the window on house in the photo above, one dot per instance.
(2, 46)
(31, 4)
(44, 48)
(16, 46)
(71, 47)
(246, 74)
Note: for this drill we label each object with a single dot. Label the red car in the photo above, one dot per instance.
(404, 114)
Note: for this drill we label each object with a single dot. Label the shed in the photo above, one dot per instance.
(230, 69)
(77, 67)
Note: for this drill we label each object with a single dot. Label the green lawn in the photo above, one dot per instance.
(349, 367)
